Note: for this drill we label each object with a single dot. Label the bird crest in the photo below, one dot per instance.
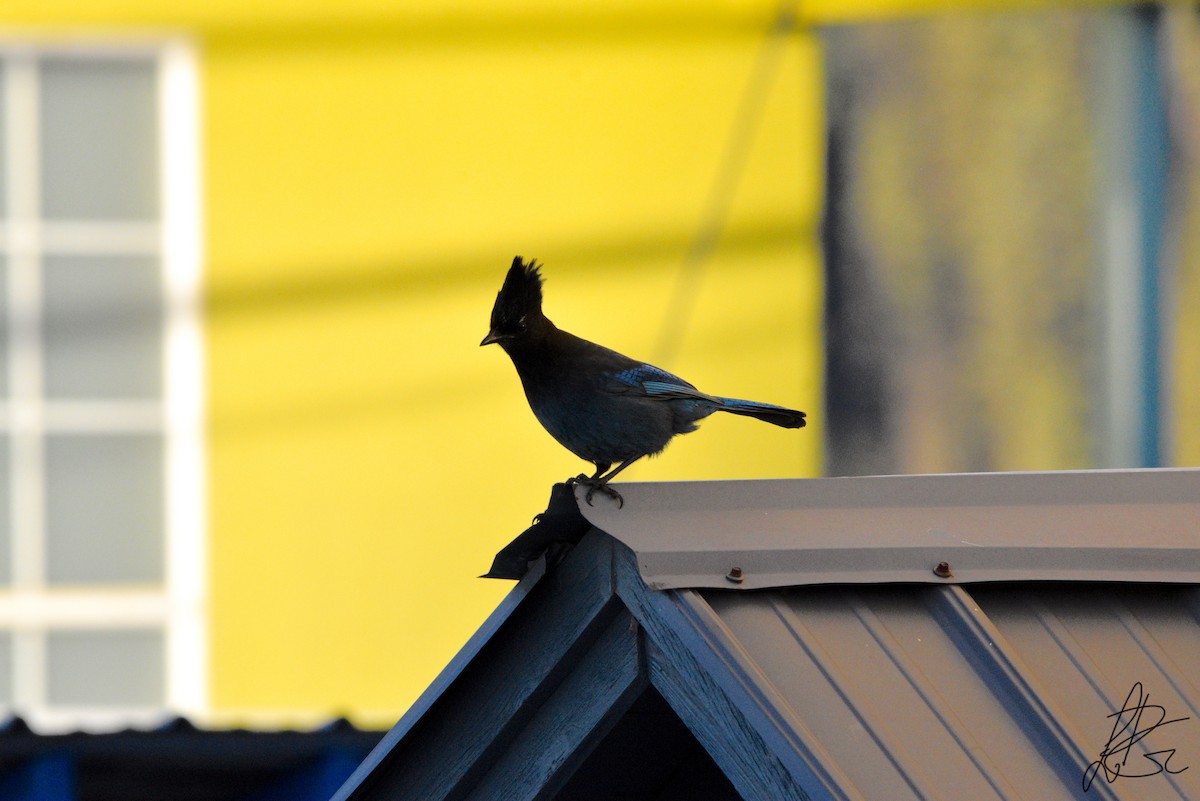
(520, 296)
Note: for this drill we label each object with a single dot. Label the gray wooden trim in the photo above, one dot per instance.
(443, 681)
(573, 720)
(725, 702)
(487, 702)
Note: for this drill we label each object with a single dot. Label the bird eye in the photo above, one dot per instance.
(521, 324)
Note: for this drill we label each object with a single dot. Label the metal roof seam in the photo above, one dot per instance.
(1015, 685)
(1158, 657)
(1095, 674)
(824, 662)
(725, 643)
(1169, 670)
(926, 690)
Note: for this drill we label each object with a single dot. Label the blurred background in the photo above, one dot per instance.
(251, 455)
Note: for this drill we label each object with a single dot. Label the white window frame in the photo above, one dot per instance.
(29, 607)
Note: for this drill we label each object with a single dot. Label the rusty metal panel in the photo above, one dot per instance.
(1119, 525)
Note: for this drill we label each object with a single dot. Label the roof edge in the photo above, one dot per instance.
(445, 679)
(1093, 525)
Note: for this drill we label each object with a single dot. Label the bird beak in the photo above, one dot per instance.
(490, 338)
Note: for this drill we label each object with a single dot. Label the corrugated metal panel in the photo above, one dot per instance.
(998, 691)
(1136, 525)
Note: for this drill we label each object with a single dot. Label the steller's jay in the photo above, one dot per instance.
(603, 407)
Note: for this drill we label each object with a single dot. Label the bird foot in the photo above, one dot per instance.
(595, 485)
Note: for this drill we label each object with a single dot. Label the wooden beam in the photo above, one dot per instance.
(571, 723)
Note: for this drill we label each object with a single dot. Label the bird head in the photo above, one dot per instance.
(518, 304)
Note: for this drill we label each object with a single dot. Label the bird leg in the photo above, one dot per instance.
(595, 482)
(600, 480)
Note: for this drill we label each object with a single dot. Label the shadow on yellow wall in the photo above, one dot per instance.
(369, 174)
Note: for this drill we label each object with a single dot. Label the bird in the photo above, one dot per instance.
(604, 407)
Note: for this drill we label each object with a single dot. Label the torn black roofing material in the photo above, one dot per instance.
(553, 530)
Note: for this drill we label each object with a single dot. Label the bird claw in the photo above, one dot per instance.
(607, 490)
(594, 485)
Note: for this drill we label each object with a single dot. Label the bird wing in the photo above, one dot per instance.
(652, 382)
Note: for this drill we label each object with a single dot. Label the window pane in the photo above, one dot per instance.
(99, 139)
(102, 327)
(6, 672)
(5, 516)
(104, 508)
(105, 668)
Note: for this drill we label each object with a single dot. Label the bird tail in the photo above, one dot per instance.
(777, 415)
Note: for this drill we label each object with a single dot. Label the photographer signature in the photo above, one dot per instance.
(1127, 730)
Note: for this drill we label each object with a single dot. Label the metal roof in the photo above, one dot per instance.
(996, 691)
(179, 761)
(594, 681)
(1118, 525)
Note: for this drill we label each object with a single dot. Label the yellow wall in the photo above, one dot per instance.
(370, 170)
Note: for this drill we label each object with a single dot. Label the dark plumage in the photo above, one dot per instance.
(603, 407)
